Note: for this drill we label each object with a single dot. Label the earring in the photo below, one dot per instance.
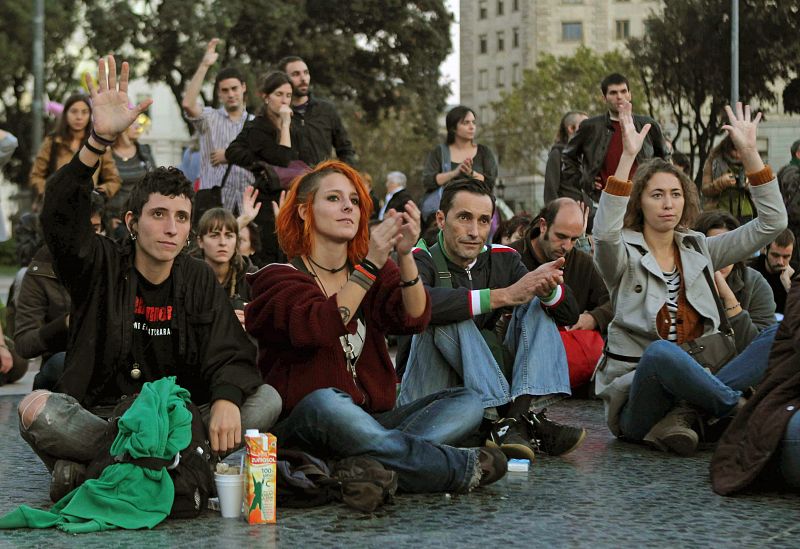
(133, 237)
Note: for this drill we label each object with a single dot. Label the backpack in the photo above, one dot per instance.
(193, 476)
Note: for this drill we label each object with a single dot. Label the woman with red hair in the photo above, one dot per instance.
(321, 322)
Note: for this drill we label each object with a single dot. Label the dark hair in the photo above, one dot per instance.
(719, 219)
(786, 238)
(273, 81)
(682, 161)
(563, 128)
(475, 186)
(62, 128)
(97, 205)
(255, 237)
(288, 59)
(551, 209)
(634, 218)
(795, 146)
(724, 148)
(614, 78)
(456, 115)
(165, 181)
(226, 73)
(510, 226)
(217, 219)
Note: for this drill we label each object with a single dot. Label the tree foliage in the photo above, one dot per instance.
(685, 58)
(383, 56)
(526, 119)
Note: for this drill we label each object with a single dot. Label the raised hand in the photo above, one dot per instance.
(111, 114)
(409, 229)
(250, 208)
(632, 140)
(276, 206)
(210, 57)
(384, 237)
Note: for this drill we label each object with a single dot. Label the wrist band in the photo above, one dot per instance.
(361, 279)
(732, 307)
(370, 267)
(95, 150)
(410, 283)
(101, 140)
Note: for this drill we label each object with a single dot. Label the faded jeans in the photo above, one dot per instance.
(66, 430)
(412, 440)
(667, 374)
(456, 354)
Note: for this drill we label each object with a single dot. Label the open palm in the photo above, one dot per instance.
(111, 113)
(632, 140)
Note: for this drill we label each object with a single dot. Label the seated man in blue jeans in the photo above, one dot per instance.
(471, 287)
(141, 311)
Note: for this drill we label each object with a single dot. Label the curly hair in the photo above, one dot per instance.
(296, 235)
(634, 217)
(165, 181)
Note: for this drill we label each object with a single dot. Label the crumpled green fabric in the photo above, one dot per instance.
(157, 424)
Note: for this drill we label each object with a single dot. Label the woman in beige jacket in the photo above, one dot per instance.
(58, 148)
(648, 258)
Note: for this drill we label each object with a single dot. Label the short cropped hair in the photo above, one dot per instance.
(397, 177)
(288, 59)
(474, 186)
(614, 78)
(226, 73)
(165, 181)
(786, 238)
(795, 147)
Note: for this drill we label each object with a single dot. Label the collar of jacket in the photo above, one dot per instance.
(482, 257)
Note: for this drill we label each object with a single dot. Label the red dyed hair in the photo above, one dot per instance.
(296, 236)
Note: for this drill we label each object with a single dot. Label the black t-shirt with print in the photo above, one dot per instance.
(152, 351)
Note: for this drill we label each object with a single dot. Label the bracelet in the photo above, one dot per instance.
(361, 279)
(732, 307)
(101, 140)
(409, 283)
(95, 150)
(370, 267)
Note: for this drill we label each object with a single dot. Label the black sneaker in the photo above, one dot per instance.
(512, 437)
(493, 463)
(554, 438)
(67, 475)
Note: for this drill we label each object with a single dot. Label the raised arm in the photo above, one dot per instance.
(189, 102)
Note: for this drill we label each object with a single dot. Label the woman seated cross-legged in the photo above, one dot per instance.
(320, 322)
(659, 274)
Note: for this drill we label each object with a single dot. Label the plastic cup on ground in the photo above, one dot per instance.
(230, 490)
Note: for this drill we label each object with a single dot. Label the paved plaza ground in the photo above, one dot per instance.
(607, 494)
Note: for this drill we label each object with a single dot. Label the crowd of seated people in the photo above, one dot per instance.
(290, 335)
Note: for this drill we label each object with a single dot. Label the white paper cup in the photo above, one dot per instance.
(230, 490)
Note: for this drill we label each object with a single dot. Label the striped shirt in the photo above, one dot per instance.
(673, 281)
(217, 131)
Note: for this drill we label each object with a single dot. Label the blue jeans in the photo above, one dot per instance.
(456, 354)
(666, 374)
(790, 452)
(411, 440)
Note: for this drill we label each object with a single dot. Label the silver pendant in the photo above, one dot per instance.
(136, 373)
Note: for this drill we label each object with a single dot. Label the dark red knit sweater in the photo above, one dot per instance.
(298, 332)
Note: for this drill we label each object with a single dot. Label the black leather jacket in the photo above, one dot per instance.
(586, 151)
(213, 358)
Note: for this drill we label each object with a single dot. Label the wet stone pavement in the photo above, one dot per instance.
(607, 494)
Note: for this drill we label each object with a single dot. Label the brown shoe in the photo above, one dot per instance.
(674, 432)
(493, 464)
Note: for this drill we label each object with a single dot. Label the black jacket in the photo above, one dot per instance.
(585, 153)
(580, 276)
(258, 140)
(398, 201)
(319, 130)
(40, 322)
(213, 357)
(496, 267)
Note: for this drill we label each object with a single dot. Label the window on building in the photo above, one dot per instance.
(500, 7)
(515, 5)
(623, 29)
(483, 44)
(515, 73)
(500, 77)
(483, 114)
(501, 41)
(572, 31)
(483, 79)
(483, 10)
(515, 38)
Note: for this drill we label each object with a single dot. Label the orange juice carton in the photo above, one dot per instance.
(260, 477)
